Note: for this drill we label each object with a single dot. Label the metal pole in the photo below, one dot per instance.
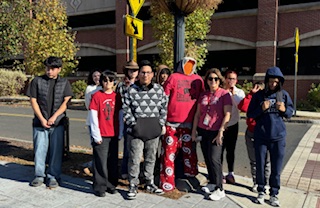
(179, 29)
(295, 84)
(131, 42)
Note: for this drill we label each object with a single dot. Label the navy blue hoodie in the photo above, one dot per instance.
(270, 125)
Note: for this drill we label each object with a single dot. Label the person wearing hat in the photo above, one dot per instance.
(268, 107)
(130, 71)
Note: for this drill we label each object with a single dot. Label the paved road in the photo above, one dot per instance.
(15, 122)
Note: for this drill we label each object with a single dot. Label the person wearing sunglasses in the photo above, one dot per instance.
(104, 113)
(210, 120)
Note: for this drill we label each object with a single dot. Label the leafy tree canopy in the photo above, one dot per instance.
(197, 26)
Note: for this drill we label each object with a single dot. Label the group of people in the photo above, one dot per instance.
(176, 111)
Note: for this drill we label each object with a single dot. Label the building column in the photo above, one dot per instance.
(122, 42)
(267, 33)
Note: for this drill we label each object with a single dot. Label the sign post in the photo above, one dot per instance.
(134, 27)
(296, 43)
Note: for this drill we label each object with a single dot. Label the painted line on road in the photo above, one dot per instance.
(31, 116)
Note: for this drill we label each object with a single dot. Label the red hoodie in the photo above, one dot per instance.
(243, 106)
(183, 91)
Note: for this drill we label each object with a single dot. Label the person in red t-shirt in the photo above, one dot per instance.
(104, 113)
(243, 106)
(183, 89)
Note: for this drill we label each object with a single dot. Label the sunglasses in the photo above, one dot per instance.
(213, 78)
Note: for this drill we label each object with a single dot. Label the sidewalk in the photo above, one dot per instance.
(300, 187)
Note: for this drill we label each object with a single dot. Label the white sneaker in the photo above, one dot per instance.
(274, 201)
(254, 188)
(260, 198)
(217, 195)
(208, 188)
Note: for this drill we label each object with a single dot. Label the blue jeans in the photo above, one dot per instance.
(48, 143)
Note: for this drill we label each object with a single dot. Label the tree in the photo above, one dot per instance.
(48, 35)
(14, 15)
(36, 30)
(196, 29)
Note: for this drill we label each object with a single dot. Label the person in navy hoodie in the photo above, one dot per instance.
(268, 107)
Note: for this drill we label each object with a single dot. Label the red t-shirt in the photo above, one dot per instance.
(107, 106)
(183, 91)
(212, 104)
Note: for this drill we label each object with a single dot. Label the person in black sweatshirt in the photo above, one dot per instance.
(268, 107)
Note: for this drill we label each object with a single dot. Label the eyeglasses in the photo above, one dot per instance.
(230, 78)
(146, 73)
(213, 78)
(108, 80)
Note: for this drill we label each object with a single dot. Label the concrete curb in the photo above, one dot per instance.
(24, 98)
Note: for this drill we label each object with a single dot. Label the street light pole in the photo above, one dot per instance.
(179, 37)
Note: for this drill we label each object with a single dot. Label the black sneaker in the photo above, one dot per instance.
(112, 190)
(100, 194)
(133, 190)
(151, 188)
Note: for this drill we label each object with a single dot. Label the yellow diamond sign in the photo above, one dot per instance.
(135, 6)
(133, 27)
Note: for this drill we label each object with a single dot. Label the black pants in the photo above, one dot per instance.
(212, 156)
(105, 164)
(229, 144)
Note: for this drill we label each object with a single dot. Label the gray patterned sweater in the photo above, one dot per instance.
(143, 102)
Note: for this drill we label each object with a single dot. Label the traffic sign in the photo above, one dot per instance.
(133, 27)
(296, 39)
(135, 6)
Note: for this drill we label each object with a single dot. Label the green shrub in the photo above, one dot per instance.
(11, 82)
(312, 103)
(78, 89)
(246, 86)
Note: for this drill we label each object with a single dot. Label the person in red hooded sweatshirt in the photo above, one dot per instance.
(183, 89)
(243, 106)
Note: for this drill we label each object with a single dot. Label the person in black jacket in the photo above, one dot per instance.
(268, 107)
(49, 95)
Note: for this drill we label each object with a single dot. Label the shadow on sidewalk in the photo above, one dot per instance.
(16, 163)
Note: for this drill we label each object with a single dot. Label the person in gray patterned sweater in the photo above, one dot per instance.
(145, 113)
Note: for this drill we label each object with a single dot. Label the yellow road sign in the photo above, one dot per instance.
(135, 6)
(296, 39)
(134, 27)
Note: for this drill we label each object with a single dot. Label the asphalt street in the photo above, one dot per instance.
(15, 122)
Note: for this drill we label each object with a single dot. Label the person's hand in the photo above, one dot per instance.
(265, 105)
(98, 142)
(193, 136)
(255, 89)
(44, 123)
(280, 106)
(218, 139)
(163, 131)
(51, 121)
(232, 90)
